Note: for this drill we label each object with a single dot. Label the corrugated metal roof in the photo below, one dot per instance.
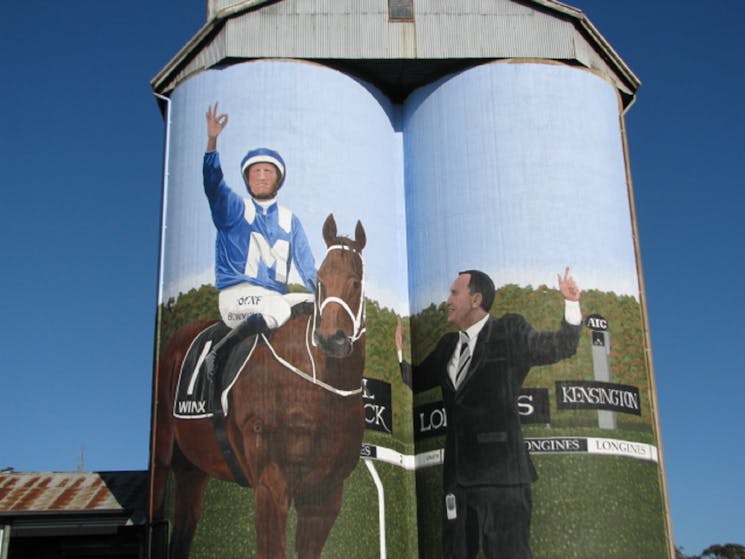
(23, 493)
(360, 30)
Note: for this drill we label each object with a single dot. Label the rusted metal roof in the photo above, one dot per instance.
(25, 493)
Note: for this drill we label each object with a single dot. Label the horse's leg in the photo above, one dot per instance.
(164, 441)
(316, 514)
(272, 503)
(190, 486)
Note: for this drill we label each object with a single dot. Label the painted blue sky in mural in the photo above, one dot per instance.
(342, 153)
(81, 153)
(514, 169)
(517, 170)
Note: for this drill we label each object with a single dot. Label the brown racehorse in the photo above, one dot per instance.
(296, 434)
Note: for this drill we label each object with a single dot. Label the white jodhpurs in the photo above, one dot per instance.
(238, 302)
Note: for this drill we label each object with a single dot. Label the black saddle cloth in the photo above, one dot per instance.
(193, 387)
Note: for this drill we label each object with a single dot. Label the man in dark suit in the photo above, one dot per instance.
(487, 471)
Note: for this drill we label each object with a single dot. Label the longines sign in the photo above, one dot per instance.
(532, 405)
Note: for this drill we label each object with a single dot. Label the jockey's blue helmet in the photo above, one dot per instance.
(264, 155)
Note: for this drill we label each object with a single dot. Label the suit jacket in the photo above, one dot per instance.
(484, 443)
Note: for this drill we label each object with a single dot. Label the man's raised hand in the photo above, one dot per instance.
(216, 123)
(399, 336)
(568, 287)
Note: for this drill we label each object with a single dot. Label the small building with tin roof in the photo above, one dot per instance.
(46, 515)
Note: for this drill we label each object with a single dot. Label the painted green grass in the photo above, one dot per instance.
(584, 507)
(226, 530)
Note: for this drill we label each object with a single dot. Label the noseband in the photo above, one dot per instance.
(358, 318)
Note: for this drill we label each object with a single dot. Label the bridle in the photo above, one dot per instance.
(358, 319)
(320, 303)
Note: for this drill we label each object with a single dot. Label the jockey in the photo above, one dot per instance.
(257, 241)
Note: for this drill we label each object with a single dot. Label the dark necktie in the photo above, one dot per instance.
(464, 359)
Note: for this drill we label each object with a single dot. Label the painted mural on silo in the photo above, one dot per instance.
(323, 246)
(519, 234)
(283, 271)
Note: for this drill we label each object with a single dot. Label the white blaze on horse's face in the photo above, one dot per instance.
(340, 298)
(340, 301)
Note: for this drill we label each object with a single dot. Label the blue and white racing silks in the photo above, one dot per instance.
(254, 244)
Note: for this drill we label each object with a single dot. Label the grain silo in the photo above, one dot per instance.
(308, 394)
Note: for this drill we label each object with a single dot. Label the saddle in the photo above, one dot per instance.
(193, 389)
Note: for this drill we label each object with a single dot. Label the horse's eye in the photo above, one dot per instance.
(356, 284)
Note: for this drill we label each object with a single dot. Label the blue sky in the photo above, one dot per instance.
(81, 154)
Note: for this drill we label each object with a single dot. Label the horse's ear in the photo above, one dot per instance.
(329, 230)
(360, 239)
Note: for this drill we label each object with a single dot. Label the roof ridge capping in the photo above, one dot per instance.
(594, 33)
(239, 7)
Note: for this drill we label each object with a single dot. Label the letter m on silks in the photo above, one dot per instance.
(259, 251)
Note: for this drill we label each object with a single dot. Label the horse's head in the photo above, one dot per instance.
(340, 297)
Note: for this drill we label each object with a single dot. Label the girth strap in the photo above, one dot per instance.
(218, 421)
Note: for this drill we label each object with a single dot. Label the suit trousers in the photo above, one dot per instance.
(497, 518)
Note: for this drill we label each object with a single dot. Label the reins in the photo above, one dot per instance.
(358, 320)
(310, 378)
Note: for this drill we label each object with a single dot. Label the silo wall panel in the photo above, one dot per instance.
(518, 170)
(515, 169)
(343, 152)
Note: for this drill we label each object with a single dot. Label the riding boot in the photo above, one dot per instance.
(215, 360)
